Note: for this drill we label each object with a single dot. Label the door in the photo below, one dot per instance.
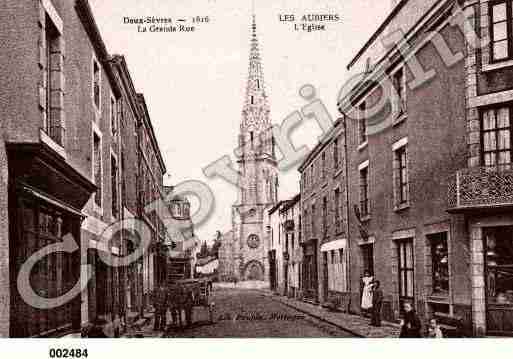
(325, 273)
(310, 273)
(499, 280)
(406, 272)
(368, 258)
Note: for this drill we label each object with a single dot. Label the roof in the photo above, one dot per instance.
(290, 203)
(322, 143)
(85, 14)
(277, 206)
(204, 261)
(154, 142)
(119, 62)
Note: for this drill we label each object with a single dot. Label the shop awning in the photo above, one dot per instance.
(334, 245)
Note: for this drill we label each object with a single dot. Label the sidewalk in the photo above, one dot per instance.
(354, 324)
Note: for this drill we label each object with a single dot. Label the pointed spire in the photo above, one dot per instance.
(255, 110)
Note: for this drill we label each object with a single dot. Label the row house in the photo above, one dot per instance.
(275, 232)
(324, 220)
(69, 122)
(290, 214)
(283, 245)
(151, 193)
(429, 172)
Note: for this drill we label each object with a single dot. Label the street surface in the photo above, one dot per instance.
(249, 313)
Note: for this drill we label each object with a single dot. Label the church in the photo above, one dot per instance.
(244, 250)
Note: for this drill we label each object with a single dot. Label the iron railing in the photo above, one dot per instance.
(481, 187)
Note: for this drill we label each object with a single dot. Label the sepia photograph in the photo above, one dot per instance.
(200, 169)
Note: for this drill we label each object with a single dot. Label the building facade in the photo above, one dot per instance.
(285, 254)
(276, 248)
(324, 220)
(259, 179)
(428, 171)
(63, 180)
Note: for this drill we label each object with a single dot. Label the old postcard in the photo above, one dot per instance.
(255, 169)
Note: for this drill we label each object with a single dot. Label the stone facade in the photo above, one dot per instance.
(61, 160)
(402, 169)
(259, 179)
(450, 81)
(324, 215)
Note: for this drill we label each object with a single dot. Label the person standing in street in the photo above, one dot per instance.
(366, 289)
(410, 324)
(377, 302)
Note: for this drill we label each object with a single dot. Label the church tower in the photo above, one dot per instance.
(258, 185)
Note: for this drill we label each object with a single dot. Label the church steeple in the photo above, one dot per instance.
(255, 113)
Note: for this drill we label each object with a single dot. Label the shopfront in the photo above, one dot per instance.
(45, 200)
(498, 244)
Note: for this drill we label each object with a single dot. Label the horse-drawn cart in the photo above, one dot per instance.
(195, 293)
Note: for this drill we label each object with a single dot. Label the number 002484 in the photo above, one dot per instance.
(67, 353)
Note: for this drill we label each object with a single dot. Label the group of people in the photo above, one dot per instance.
(371, 303)
(178, 299)
(372, 298)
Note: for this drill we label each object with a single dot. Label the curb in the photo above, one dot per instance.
(351, 331)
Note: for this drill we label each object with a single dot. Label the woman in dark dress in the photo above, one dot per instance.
(410, 324)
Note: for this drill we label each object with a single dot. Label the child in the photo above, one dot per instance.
(377, 301)
(410, 324)
(434, 330)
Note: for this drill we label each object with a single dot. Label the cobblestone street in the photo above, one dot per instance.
(243, 313)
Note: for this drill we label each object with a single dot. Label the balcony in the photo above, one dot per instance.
(481, 188)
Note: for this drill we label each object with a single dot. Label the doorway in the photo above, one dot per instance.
(498, 244)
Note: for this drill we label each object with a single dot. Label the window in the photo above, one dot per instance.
(499, 264)
(500, 30)
(114, 186)
(496, 137)
(362, 126)
(335, 153)
(306, 223)
(96, 84)
(325, 216)
(312, 178)
(113, 116)
(401, 190)
(313, 220)
(406, 269)
(364, 192)
(97, 169)
(337, 210)
(300, 229)
(51, 38)
(399, 83)
(439, 263)
(323, 173)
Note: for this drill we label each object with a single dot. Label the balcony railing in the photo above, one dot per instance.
(481, 188)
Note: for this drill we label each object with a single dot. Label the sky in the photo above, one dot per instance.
(194, 82)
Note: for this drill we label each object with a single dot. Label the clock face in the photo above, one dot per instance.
(253, 241)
